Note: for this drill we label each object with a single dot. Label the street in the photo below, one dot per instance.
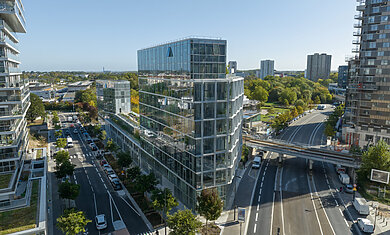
(96, 193)
(288, 200)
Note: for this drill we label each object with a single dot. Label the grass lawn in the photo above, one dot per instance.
(4, 180)
(269, 117)
(21, 219)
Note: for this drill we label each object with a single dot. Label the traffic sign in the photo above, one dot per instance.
(241, 214)
(354, 189)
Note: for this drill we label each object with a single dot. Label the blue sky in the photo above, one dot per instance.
(91, 34)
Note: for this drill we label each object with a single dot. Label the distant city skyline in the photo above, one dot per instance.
(98, 34)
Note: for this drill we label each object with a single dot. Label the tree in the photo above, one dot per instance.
(260, 94)
(163, 201)
(72, 222)
(244, 154)
(64, 169)
(58, 133)
(102, 135)
(271, 110)
(36, 108)
(61, 157)
(329, 130)
(111, 146)
(68, 190)
(317, 100)
(146, 183)
(377, 157)
(124, 159)
(299, 109)
(133, 173)
(183, 222)
(61, 143)
(293, 112)
(209, 205)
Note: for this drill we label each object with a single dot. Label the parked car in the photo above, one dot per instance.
(101, 222)
(112, 177)
(116, 184)
(67, 132)
(106, 166)
(93, 147)
(361, 206)
(365, 225)
(110, 171)
(75, 131)
(103, 162)
(349, 188)
(256, 163)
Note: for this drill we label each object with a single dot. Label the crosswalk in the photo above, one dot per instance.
(147, 233)
(80, 156)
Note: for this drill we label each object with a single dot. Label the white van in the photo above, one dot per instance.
(361, 206)
(365, 225)
(344, 178)
(256, 163)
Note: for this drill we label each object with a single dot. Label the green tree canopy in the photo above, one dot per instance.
(260, 94)
(69, 190)
(377, 157)
(133, 173)
(111, 146)
(163, 200)
(146, 183)
(61, 142)
(72, 222)
(183, 222)
(209, 204)
(36, 108)
(61, 157)
(102, 135)
(64, 169)
(58, 133)
(124, 159)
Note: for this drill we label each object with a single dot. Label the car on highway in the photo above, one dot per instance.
(349, 188)
(93, 147)
(101, 222)
(116, 184)
(112, 177)
(256, 163)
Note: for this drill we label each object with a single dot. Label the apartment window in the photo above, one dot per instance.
(374, 27)
(366, 71)
(372, 45)
(384, 62)
(386, 44)
(371, 62)
(382, 36)
(368, 53)
(387, 26)
(378, 71)
(371, 19)
(384, 18)
(375, 9)
(370, 36)
(381, 53)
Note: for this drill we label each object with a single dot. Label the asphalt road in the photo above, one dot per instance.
(96, 193)
(291, 200)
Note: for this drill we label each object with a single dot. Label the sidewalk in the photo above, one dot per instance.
(246, 187)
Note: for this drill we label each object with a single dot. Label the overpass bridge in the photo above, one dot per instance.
(303, 151)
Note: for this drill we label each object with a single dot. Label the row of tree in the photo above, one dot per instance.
(332, 120)
(286, 90)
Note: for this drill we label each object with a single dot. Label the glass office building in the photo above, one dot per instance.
(190, 116)
(113, 96)
(14, 98)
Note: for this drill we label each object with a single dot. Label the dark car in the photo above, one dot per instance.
(116, 184)
(67, 132)
(349, 188)
(102, 162)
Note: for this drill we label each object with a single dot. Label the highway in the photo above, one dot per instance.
(96, 193)
(288, 200)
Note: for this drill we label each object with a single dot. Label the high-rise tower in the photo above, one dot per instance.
(318, 66)
(190, 115)
(367, 112)
(14, 96)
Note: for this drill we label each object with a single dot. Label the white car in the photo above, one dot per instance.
(75, 131)
(112, 177)
(101, 222)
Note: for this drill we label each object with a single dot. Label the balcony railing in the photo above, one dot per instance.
(356, 41)
(356, 50)
(9, 70)
(357, 33)
(10, 98)
(357, 25)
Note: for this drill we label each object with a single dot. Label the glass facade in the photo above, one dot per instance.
(113, 96)
(190, 116)
(14, 96)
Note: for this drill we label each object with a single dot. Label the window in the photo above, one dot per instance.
(378, 71)
(370, 62)
(384, 62)
(374, 27)
(386, 44)
(208, 128)
(367, 53)
(372, 45)
(382, 36)
(375, 9)
(371, 19)
(384, 18)
(370, 36)
(381, 53)
(387, 26)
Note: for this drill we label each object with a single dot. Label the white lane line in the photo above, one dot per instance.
(130, 206)
(260, 191)
(312, 200)
(96, 170)
(94, 200)
(74, 177)
(341, 212)
(105, 186)
(254, 229)
(88, 177)
(99, 175)
(102, 180)
(281, 199)
(258, 200)
(115, 206)
(257, 215)
(346, 222)
(322, 206)
(258, 207)
(262, 179)
(261, 185)
(92, 189)
(327, 181)
(273, 202)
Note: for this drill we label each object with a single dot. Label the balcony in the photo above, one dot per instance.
(356, 50)
(357, 25)
(11, 98)
(357, 33)
(356, 42)
(9, 43)
(10, 70)
(358, 16)
(11, 12)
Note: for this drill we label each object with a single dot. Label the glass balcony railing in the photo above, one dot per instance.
(12, 7)
(10, 98)
(5, 39)
(9, 70)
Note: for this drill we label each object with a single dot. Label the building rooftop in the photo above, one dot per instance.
(81, 83)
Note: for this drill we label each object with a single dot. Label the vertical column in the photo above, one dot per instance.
(280, 158)
(310, 165)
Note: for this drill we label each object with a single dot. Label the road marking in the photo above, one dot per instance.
(319, 198)
(96, 170)
(258, 207)
(262, 179)
(99, 175)
(254, 229)
(261, 185)
(327, 181)
(312, 200)
(281, 198)
(88, 177)
(260, 191)
(257, 215)
(272, 213)
(341, 212)
(102, 180)
(265, 169)
(94, 200)
(259, 198)
(105, 186)
(92, 189)
(346, 222)
(130, 206)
